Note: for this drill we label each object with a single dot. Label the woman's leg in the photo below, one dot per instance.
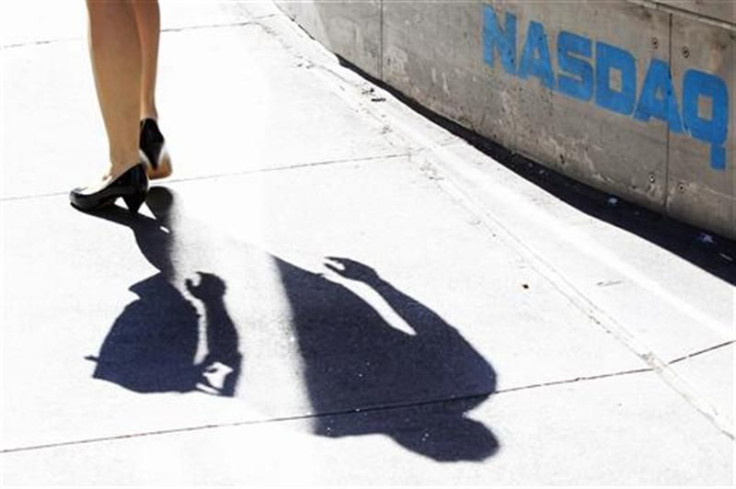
(148, 18)
(115, 51)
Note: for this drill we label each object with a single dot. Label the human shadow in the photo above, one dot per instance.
(152, 346)
(365, 376)
(362, 374)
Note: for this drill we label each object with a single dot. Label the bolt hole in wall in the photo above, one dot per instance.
(606, 75)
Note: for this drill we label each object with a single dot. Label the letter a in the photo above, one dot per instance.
(657, 98)
(539, 66)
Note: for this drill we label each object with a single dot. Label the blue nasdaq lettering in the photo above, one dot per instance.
(714, 130)
(607, 59)
(606, 75)
(576, 79)
(658, 98)
(503, 40)
(535, 59)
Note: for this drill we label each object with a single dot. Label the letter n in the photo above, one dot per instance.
(501, 40)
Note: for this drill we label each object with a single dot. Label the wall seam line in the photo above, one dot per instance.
(669, 130)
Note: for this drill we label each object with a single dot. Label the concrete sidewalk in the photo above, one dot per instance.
(478, 330)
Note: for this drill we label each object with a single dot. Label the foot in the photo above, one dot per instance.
(131, 185)
(153, 150)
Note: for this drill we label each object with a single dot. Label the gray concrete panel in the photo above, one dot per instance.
(606, 149)
(724, 10)
(700, 190)
(348, 28)
(428, 56)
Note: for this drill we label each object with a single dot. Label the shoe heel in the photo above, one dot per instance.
(134, 202)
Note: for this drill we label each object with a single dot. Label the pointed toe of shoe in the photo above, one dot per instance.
(132, 186)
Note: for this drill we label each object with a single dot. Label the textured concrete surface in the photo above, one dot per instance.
(477, 328)
(720, 11)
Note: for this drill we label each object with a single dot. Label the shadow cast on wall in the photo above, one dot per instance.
(363, 375)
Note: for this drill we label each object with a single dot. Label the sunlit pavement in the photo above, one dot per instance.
(471, 327)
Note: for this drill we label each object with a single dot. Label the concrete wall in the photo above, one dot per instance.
(634, 97)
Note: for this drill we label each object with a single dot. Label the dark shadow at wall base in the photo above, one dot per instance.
(709, 251)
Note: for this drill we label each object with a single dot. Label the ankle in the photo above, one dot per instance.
(149, 113)
(117, 169)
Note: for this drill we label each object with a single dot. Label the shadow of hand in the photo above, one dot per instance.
(210, 287)
(350, 269)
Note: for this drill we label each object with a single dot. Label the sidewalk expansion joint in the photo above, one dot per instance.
(305, 417)
(345, 412)
(295, 166)
(575, 380)
(42, 42)
(246, 23)
(702, 352)
(312, 416)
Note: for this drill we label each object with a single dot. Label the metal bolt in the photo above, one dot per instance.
(651, 178)
(681, 187)
(655, 42)
(686, 51)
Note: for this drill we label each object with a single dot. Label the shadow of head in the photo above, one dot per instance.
(441, 432)
(353, 356)
(449, 439)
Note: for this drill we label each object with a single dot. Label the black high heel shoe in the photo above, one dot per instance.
(132, 186)
(153, 147)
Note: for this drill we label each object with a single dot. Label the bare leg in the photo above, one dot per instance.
(148, 18)
(116, 62)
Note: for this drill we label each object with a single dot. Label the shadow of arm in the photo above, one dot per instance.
(421, 319)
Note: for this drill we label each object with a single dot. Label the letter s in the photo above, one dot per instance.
(579, 86)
